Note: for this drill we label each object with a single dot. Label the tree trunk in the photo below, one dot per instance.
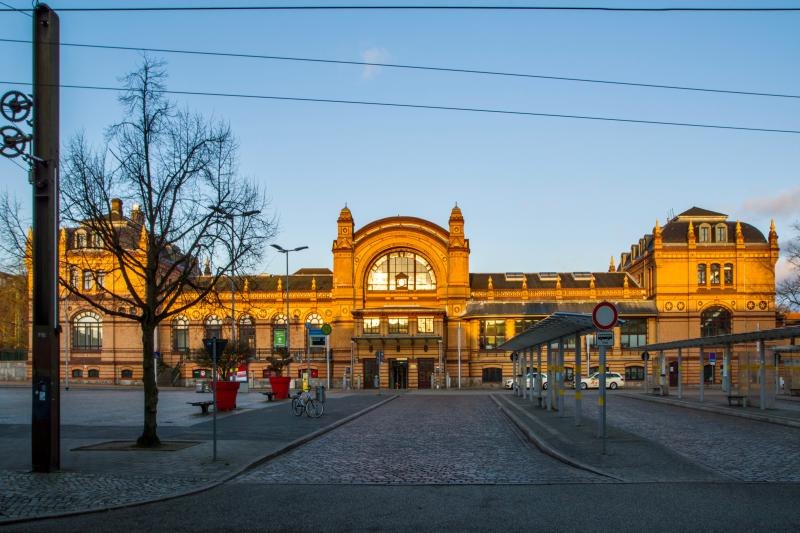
(149, 438)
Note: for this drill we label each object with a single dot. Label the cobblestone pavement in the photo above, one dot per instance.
(744, 449)
(421, 440)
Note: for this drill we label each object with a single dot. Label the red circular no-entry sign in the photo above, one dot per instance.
(604, 315)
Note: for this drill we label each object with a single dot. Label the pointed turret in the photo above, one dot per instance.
(773, 235)
(612, 267)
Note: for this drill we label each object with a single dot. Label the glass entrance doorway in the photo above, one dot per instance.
(398, 374)
(425, 367)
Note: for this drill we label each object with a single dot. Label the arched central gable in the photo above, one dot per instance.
(395, 234)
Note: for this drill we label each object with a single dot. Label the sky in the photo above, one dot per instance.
(537, 193)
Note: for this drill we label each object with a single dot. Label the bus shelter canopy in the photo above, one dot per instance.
(554, 327)
(731, 338)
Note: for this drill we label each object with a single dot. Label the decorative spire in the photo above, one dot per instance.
(690, 234)
(491, 285)
(657, 229)
(591, 282)
(207, 267)
(558, 281)
(280, 285)
(739, 233)
(246, 284)
(524, 281)
(612, 267)
(625, 282)
(773, 235)
(313, 283)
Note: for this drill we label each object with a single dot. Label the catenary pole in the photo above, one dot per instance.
(46, 416)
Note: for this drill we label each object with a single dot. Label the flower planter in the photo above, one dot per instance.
(280, 386)
(226, 395)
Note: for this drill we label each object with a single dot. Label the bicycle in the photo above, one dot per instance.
(302, 402)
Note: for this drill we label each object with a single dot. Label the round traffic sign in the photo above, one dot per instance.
(605, 315)
(326, 329)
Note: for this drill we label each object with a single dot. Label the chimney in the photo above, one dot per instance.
(116, 206)
(136, 214)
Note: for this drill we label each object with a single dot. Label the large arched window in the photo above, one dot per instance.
(401, 271)
(180, 334)
(715, 321)
(87, 331)
(213, 327)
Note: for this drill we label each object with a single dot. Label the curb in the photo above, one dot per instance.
(779, 420)
(545, 447)
(208, 486)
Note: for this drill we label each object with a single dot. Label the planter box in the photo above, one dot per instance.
(226, 395)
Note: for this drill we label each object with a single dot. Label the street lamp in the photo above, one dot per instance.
(230, 216)
(286, 252)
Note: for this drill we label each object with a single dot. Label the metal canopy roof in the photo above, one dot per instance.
(733, 338)
(552, 328)
(786, 349)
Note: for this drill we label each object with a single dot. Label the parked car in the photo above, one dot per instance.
(511, 385)
(613, 381)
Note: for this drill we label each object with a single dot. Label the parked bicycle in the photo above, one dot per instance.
(303, 402)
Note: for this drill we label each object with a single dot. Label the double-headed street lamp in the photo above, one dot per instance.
(286, 252)
(230, 216)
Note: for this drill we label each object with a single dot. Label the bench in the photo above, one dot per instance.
(739, 399)
(269, 395)
(203, 405)
(794, 392)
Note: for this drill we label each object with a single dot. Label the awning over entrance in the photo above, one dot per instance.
(626, 308)
(552, 328)
(731, 338)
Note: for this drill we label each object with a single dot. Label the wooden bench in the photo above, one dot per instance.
(203, 405)
(269, 394)
(739, 399)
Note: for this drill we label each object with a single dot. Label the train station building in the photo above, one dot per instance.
(400, 289)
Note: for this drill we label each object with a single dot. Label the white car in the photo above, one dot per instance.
(613, 381)
(510, 381)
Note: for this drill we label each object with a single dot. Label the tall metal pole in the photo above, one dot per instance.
(288, 316)
(214, 379)
(602, 398)
(45, 422)
(577, 380)
(459, 354)
(233, 291)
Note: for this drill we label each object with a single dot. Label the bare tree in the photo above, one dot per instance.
(14, 245)
(179, 170)
(789, 289)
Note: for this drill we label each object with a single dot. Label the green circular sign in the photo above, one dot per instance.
(326, 329)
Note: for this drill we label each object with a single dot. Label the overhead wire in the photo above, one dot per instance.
(430, 107)
(412, 67)
(406, 7)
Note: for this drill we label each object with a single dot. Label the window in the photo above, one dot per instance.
(99, 279)
(372, 326)
(701, 274)
(87, 332)
(126, 374)
(97, 241)
(279, 331)
(425, 324)
(398, 326)
(401, 270)
(213, 327)
(247, 330)
(180, 334)
(87, 280)
(715, 321)
(492, 334)
(714, 278)
(492, 375)
(522, 324)
(728, 273)
(721, 233)
(704, 235)
(77, 373)
(634, 373)
(73, 277)
(94, 373)
(314, 322)
(80, 240)
(633, 333)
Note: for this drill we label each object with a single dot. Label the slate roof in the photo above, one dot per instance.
(541, 309)
(700, 212)
(480, 281)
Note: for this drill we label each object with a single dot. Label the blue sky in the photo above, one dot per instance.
(538, 194)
